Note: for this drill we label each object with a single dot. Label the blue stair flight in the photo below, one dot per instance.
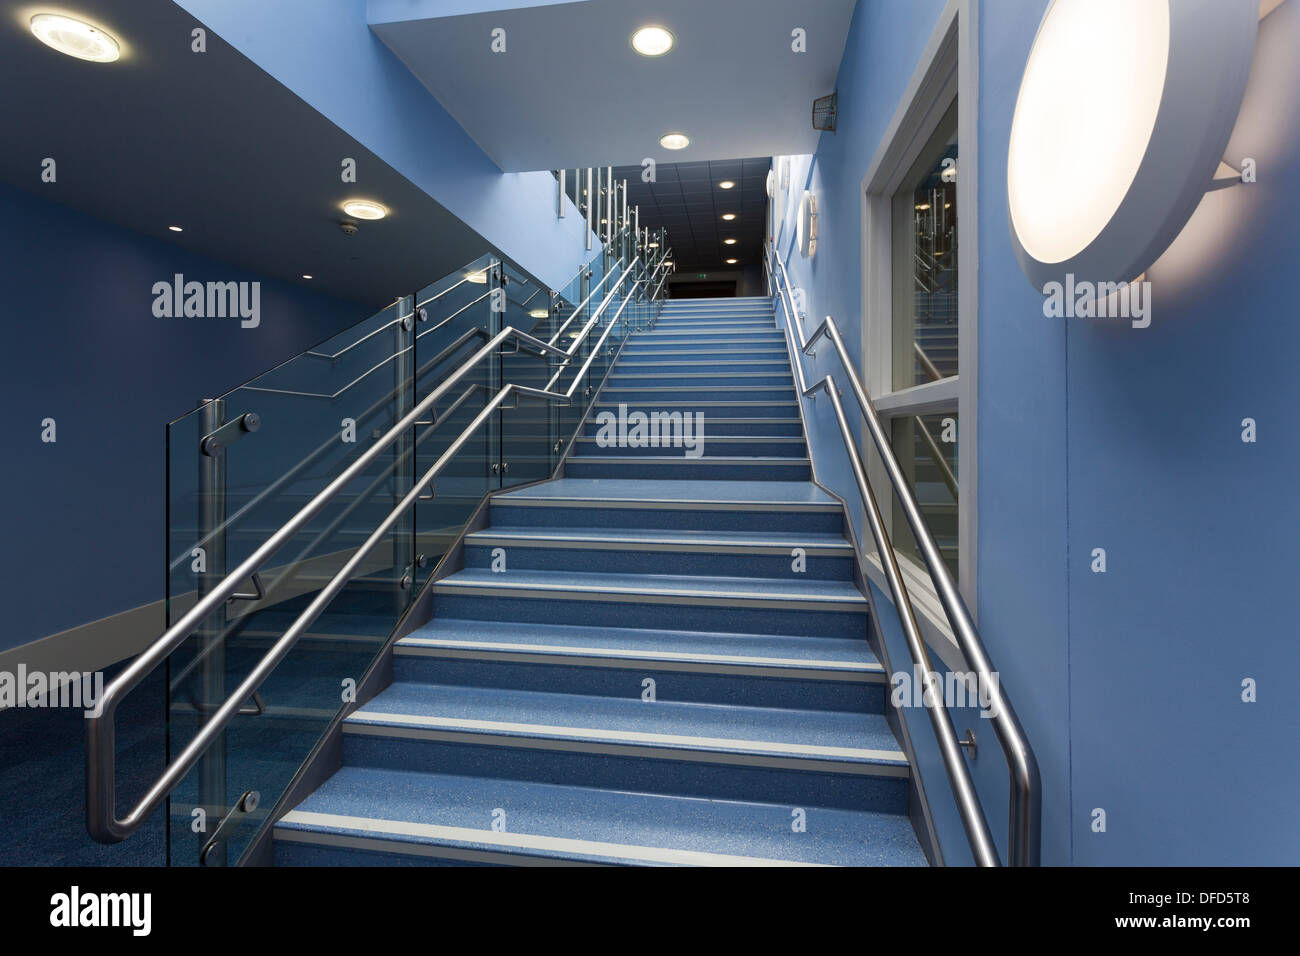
(627, 668)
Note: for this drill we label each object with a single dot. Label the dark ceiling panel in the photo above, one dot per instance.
(685, 199)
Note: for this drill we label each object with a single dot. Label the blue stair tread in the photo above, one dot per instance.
(838, 737)
(784, 540)
(569, 823)
(649, 645)
(682, 492)
(835, 593)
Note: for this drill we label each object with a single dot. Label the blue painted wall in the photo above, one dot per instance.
(336, 64)
(84, 516)
(1129, 683)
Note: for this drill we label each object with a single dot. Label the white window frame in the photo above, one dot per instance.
(949, 68)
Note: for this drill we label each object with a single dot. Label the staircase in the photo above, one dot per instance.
(627, 669)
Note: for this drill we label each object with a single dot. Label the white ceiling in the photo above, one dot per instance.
(570, 91)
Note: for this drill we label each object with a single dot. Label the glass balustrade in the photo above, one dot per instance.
(242, 464)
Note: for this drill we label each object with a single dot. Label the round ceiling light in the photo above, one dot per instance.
(1130, 105)
(539, 313)
(175, 229)
(726, 184)
(674, 141)
(652, 41)
(75, 38)
(729, 242)
(732, 262)
(364, 209)
(728, 216)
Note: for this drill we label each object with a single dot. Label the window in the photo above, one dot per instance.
(924, 335)
(919, 305)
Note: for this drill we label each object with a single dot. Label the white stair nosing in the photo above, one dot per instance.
(383, 835)
(740, 664)
(765, 753)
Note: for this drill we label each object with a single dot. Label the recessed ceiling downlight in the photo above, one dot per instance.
(364, 209)
(674, 141)
(538, 314)
(75, 38)
(726, 184)
(728, 216)
(652, 41)
(1131, 102)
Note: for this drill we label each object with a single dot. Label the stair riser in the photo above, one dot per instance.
(772, 350)
(707, 393)
(686, 470)
(634, 561)
(786, 428)
(694, 381)
(703, 448)
(737, 618)
(721, 340)
(290, 853)
(697, 778)
(737, 690)
(764, 325)
(702, 519)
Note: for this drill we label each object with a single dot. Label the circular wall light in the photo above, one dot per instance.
(75, 38)
(1124, 111)
(364, 209)
(674, 141)
(652, 41)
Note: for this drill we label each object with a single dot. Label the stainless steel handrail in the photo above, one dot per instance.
(595, 317)
(102, 821)
(331, 443)
(583, 304)
(1025, 811)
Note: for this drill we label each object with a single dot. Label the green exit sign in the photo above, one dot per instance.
(702, 275)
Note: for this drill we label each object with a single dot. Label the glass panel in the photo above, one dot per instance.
(926, 447)
(243, 464)
(315, 416)
(458, 321)
(925, 263)
(528, 425)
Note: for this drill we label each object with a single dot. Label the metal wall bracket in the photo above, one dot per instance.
(968, 744)
(259, 591)
(211, 853)
(215, 443)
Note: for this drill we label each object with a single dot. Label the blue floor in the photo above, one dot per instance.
(43, 781)
(657, 675)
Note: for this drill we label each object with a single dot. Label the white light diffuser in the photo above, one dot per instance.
(364, 209)
(1124, 112)
(75, 38)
